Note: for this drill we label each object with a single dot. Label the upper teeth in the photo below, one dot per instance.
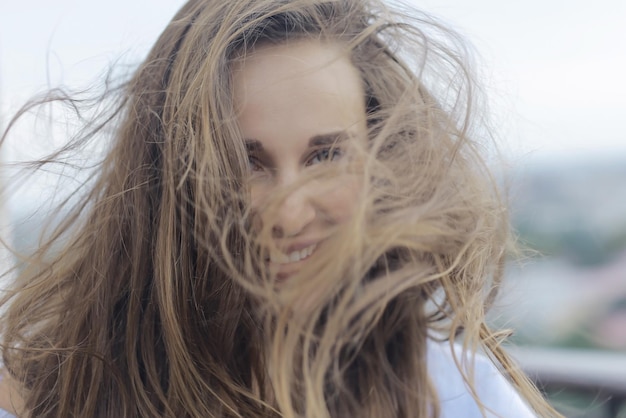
(292, 257)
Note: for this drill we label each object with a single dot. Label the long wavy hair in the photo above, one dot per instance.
(151, 298)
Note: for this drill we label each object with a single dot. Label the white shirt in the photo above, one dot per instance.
(494, 391)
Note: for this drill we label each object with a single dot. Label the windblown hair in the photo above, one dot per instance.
(151, 299)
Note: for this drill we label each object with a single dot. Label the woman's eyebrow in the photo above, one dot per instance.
(329, 138)
(253, 146)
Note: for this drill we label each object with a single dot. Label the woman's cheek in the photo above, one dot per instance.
(257, 198)
(340, 198)
(259, 191)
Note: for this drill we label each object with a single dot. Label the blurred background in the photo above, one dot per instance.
(556, 77)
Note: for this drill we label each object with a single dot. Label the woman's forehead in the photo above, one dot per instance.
(294, 69)
(298, 85)
(282, 63)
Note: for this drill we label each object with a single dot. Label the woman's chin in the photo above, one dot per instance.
(283, 272)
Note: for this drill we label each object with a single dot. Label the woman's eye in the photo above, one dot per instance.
(325, 154)
(254, 164)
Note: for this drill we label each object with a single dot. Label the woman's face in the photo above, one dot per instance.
(301, 108)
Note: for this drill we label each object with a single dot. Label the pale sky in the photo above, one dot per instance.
(557, 68)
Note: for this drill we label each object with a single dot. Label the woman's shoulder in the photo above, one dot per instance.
(10, 401)
(492, 388)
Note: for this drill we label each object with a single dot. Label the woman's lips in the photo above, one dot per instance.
(284, 265)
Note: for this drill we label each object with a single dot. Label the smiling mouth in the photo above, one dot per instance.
(293, 257)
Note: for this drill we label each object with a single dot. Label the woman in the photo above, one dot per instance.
(293, 219)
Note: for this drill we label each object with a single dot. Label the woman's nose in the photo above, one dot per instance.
(294, 214)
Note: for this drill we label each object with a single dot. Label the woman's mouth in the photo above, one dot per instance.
(280, 258)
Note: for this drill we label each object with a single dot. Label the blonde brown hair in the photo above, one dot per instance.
(151, 299)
